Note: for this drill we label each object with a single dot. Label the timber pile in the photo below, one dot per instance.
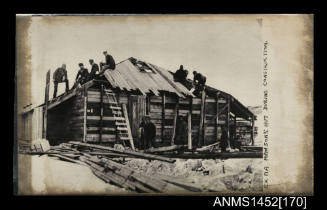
(107, 163)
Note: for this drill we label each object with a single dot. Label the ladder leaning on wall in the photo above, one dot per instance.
(123, 130)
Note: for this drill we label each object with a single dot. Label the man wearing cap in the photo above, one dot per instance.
(82, 74)
(59, 76)
(110, 62)
(94, 69)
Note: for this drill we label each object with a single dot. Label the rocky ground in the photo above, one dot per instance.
(217, 175)
(44, 175)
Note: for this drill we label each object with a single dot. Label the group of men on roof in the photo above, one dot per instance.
(83, 75)
(199, 80)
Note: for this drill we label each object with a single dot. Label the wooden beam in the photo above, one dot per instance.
(234, 131)
(252, 130)
(217, 115)
(101, 113)
(146, 156)
(148, 99)
(46, 101)
(163, 106)
(228, 118)
(200, 138)
(85, 115)
(189, 131)
(204, 121)
(175, 121)
(128, 127)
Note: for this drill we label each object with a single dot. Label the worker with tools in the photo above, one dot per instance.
(94, 69)
(148, 132)
(181, 75)
(59, 76)
(109, 64)
(82, 75)
(199, 82)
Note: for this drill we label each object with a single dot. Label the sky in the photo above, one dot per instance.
(226, 49)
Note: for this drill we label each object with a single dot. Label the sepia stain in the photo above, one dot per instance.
(305, 95)
(23, 93)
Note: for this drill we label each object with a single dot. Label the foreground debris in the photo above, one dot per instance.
(107, 163)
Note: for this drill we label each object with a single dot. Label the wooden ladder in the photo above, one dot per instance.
(123, 130)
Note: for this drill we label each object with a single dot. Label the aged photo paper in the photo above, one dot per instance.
(240, 121)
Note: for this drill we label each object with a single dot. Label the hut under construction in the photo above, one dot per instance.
(110, 109)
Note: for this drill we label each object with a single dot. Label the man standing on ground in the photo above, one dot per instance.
(149, 133)
(181, 131)
(59, 76)
(94, 69)
(110, 62)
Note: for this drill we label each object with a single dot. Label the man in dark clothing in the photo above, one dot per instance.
(110, 62)
(59, 76)
(149, 132)
(199, 81)
(181, 131)
(82, 75)
(181, 74)
(94, 69)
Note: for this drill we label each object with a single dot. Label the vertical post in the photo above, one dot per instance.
(234, 126)
(200, 142)
(204, 121)
(46, 100)
(175, 121)
(118, 98)
(228, 119)
(252, 130)
(101, 112)
(189, 131)
(85, 115)
(148, 99)
(163, 106)
(217, 115)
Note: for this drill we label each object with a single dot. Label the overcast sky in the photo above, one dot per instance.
(227, 50)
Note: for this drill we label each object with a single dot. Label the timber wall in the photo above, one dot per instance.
(185, 106)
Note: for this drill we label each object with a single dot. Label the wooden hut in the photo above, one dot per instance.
(110, 108)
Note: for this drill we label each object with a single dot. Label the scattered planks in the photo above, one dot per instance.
(133, 153)
(195, 155)
(165, 149)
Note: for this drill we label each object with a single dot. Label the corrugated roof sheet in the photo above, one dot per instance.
(128, 76)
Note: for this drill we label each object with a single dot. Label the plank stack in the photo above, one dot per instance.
(107, 163)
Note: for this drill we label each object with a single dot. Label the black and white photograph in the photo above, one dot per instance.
(164, 104)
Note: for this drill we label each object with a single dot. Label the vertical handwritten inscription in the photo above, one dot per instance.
(265, 114)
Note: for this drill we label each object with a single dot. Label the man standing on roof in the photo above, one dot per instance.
(181, 74)
(59, 76)
(199, 81)
(94, 69)
(110, 62)
(82, 75)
